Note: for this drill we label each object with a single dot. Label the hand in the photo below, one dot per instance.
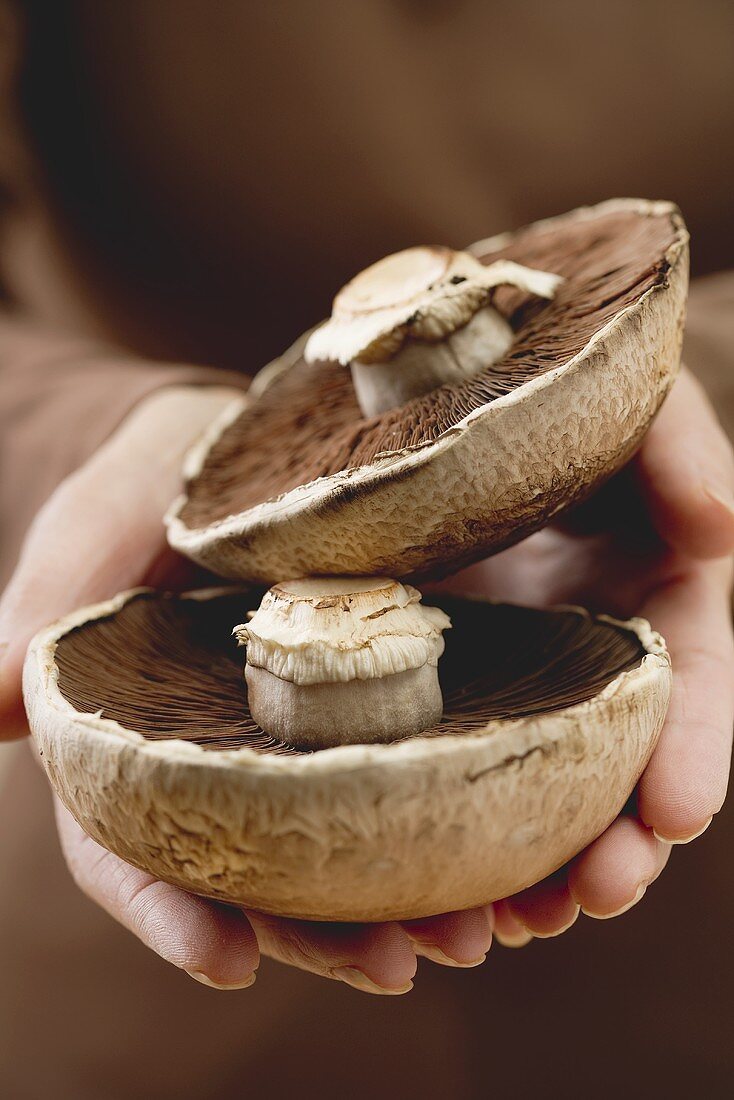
(656, 542)
(101, 532)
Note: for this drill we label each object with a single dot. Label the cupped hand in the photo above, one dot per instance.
(101, 532)
(657, 542)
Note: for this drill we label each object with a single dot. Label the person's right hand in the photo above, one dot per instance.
(655, 541)
(101, 532)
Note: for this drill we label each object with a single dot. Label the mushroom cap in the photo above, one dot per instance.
(139, 710)
(293, 481)
(422, 293)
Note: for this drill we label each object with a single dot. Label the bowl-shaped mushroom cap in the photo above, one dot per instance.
(139, 710)
(294, 481)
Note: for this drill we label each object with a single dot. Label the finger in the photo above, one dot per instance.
(78, 551)
(453, 939)
(546, 909)
(614, 872)
(685, 470)
(507, 928)
(374, 958)
(100, 532)
(213, 943)
(685, 783)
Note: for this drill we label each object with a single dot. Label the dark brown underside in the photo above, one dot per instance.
(169, 668)
(308, 424)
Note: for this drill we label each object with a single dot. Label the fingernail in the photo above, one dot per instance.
(198, 976)
(622, 909)
(557, 931)
(358, 980)
(721, 496)
(682, 839)
(519, 940)
(436, 955)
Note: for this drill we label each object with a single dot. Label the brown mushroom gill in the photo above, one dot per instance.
(167, 667)
(307, 424)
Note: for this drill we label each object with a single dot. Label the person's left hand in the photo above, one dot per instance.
(657, 542)
(100, 532)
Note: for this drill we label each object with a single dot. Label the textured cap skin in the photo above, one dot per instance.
(501, 473)
(358, 832)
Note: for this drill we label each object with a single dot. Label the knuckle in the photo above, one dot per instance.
(86, 862)
(287, 943)
(136, 897)
(297, 951)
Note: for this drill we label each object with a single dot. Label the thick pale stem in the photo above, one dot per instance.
(361, 712)
(420, 319)
(343, 660)
(420, 366)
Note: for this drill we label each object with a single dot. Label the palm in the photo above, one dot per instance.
(103, 531)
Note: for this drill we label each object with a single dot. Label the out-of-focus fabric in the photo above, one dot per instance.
(216, 171)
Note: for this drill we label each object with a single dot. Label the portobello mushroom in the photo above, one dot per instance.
(296, 481)
(356, 771)
(139, 709)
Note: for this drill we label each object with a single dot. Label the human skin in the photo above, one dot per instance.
(657, 541)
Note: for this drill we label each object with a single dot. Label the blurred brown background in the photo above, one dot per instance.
(194, 180)
(215, 163)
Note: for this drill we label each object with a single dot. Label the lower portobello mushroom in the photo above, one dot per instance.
(140, 711)
(357, 771)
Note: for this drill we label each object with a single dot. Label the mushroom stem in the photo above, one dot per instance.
(418, 320)
(343, 660)
(353, 712)
(420, 367)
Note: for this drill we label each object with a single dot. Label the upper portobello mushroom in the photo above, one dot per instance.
(140, 712)
(536, 392)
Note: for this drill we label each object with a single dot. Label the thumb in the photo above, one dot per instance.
(101, 530)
